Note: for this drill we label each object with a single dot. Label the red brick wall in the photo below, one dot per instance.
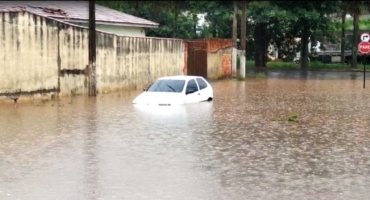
(226, 65)
(197, 43)
(215, 44)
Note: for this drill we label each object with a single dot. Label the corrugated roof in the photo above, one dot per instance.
(74, 10)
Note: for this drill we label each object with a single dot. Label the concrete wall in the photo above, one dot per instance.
(118, 30)
(219, 57)
(43, 56)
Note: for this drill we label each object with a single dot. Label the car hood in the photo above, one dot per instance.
(160, 98)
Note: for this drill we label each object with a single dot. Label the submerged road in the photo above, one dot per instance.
(240, 146)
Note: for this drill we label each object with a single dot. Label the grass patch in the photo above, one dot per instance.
(261, 75)
(315, 65)
(293, 117)
(318, 65)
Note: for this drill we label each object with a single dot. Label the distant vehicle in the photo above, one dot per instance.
(176, 90)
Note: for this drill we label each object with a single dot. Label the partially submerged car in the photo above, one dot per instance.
(176, 90)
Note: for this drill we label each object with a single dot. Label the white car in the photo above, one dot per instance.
(176, 90)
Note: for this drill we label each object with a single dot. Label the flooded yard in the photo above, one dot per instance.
(240, 146)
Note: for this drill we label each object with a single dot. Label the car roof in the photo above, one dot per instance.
(180, 77)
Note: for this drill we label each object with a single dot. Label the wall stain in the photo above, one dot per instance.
(41, 22)
(3, 25)
(35, 23)
(19, 92)
(64, 72)
(13, 17)
(73, 39)
(59, 59)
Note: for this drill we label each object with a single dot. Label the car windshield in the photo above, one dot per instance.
(167, 85)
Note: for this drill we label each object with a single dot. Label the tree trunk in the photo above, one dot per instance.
(265, 42)
(260, 45)
(304, 45)
(235, 36)
(235, 24)
(243, 38)
(214, 30)
(355, 40)
(343, 38)
(195, 19)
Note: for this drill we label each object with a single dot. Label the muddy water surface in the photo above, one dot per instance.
(241, 146)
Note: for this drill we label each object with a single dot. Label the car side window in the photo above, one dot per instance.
(192, 86)
(202, 84)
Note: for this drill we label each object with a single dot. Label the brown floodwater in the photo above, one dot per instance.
(240, 146)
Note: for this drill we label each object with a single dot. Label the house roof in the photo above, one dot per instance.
(75, 11)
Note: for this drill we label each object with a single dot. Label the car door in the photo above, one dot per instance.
(192, 93)
(203, 89)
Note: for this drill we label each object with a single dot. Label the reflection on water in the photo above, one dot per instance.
(240, 146)
(91, 165)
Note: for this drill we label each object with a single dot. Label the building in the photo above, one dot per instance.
(77, 12)
(43, 56)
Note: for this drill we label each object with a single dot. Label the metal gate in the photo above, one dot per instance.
(197, 59)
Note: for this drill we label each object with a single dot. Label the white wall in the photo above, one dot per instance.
(42, 56)
(119, 30)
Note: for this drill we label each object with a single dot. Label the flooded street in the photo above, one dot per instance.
(240, 146)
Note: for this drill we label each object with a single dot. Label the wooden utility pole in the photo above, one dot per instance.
(92, 50)
(243, 38)
(235, 36)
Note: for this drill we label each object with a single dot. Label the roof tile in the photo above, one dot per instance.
(77, 10)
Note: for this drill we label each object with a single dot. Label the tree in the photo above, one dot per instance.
(173, 20)
(267, 24)
(219, 16)
(311, 17)
(354, 9)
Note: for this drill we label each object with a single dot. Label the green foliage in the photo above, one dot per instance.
(311, 19)
(219, 17)
(284, 20)
(363, 24)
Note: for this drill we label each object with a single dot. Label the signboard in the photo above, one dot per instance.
(365, 37)
(364, 46)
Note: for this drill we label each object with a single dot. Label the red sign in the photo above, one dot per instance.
(364, 47)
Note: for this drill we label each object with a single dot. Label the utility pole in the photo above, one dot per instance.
(243, 38)
(92, 50)
(235, 36)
